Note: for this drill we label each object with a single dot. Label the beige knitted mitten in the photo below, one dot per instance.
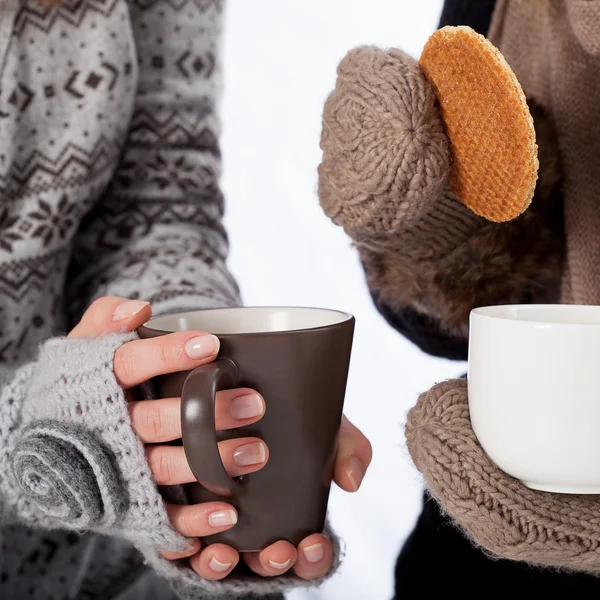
(496, 511)
(386, 158)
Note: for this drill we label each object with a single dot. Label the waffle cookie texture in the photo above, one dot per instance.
(486, 117)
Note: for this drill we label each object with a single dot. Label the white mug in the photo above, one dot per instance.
(534, 393)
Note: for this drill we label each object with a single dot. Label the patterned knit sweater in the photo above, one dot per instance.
(109, 169)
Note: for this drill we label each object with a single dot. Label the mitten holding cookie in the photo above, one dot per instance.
(393, 176)
(385, 177)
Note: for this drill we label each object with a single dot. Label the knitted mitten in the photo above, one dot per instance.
(386, 158)
(496, 511)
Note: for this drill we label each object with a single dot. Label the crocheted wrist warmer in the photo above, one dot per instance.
(70, 459)
(494, 510)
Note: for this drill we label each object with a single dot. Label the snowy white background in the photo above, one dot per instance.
(280, 62)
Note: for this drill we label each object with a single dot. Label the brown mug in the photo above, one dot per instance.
(298, 360)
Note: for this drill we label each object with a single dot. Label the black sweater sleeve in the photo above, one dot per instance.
(424, 331)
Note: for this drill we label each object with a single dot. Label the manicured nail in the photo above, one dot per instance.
(280, 566)
(223, 518)
(355, 472)
(219, 567)
(249, 454)
(314, 553)
(246, 407)
(203, 346)
(129, 308)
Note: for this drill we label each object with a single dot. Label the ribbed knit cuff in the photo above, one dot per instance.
(443, 227)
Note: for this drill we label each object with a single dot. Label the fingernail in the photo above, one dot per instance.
(203, 346)
(223, 518)
(246, 407)
(280, 566)
(249, 454)
(314, 553)
(355, 472)
(129, 308)
(219, 567)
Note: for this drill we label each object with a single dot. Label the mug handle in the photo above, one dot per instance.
(198, 429)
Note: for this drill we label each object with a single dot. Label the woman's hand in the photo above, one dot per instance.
(157, 422)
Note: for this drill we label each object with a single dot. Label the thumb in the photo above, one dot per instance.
(112, 314)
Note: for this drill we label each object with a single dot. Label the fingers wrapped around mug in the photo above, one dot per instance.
(159, 421)
(495, 510)
(141, 360)
(241, 456)
(315, 557)
(312, 559)
(214, 562)
(299, 359)
(201, 520)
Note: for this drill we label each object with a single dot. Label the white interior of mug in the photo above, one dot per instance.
(549, 314)
(250, 320)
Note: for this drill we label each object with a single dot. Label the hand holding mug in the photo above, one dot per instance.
(158, 422)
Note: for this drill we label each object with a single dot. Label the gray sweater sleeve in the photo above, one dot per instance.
(157, 232)
(69, 459)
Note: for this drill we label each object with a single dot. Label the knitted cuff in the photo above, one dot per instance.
(444, 226)
(494, 510)
(386, 158)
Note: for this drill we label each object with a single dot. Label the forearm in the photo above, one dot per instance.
(175, 267)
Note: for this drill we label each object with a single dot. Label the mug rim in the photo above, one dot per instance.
(349, 318)
(502, 312)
